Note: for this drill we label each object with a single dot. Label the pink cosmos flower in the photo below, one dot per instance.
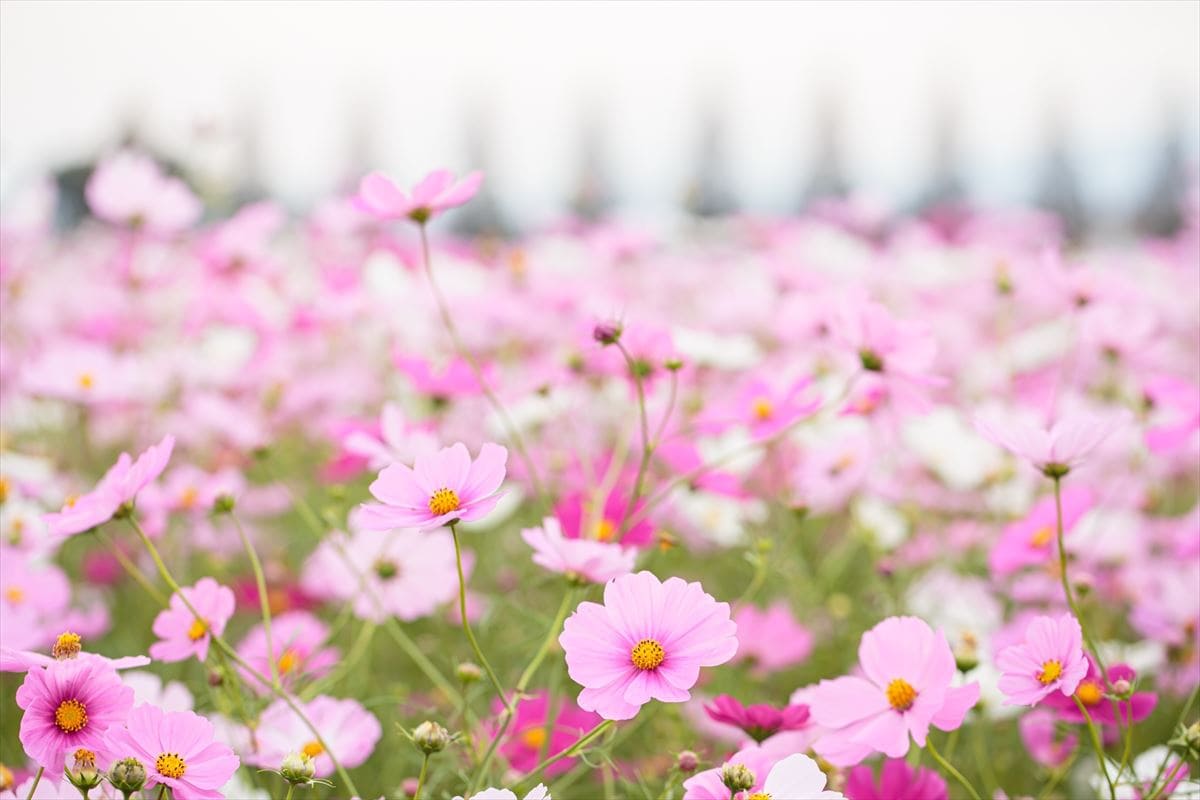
(1039, 734)
(1032, 540)
(119, 486)
(130, 190)
(397, 440)
(181, 634)
(771, 638)
(758, 721)
(440, 489)
(796, 776)
(1094, 693)
(765, 409)
(533, 734)
(178, 750)
(455, 378)
(1049, 659)
(572, 514)
(69, 705)
(348, 728)
(297, 640)
(905, 688)
(900, 353)
(897, 781)
(81, 372)
(438, 191)
(1054, 451)
(648, 641)
(539, 792)
(579, 559)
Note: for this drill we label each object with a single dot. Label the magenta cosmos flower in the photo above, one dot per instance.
(1032, 540)
(181, 633)
(647, 642)
(349, 729)
(441, 488)
(1054, 451)
(897, 781)
(759, 722)
(579, 559)
(905, 688)
(119, 486)
(297, 648)
(1050, 659)
(178, 750)
(533, 733)
(68, 706)
(438, 191)
(1095, 695)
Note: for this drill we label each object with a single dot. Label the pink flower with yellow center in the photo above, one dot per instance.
(182, 634)
(1050, 659)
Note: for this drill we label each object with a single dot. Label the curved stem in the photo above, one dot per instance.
(1066, 583)
(946, 765)
(421, 778)
(466, 625)
(132, 570)
(1097, 746)
(260, 581)
(36, 780)
(647, 446)
(584, 740)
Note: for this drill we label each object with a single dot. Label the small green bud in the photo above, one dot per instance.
(298, 768)
(430, 737)
(468, 672)
(737, 777)
(83, 774)
(127, 776)
(223, 504)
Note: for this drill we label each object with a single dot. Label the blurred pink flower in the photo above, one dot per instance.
(772, 638)
(1032, 540)
(580, 559)
(183, 635)
(437, 192)
(1039, 733)
(533, 734)
(760, 721)
(1049, 659)
(897, 781)
(347, 728)
(440, 489)
(129, 189)
(795, 775)
(1095, 695)
(647, 642)
(1054, 451)
(298, 650)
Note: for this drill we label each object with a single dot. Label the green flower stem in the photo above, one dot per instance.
(949, 768)
(421, 778)
(132, 570)
(466, 625)
(647, 444)
(260, 581)
(1066, 583)
(233, 655)
(1097, 746)
(1155, 790)
(291, 790)
(36, 780)
(573, 750)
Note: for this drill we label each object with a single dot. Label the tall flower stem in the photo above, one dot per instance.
(583, 741)
(1155, 790)
(949, 768)
(233, 656)
(647, 444)
(1097, 746)
(421, 777)
(510, 429)
(466, 625)
(1066, 582)
(36, 780)
(260, 582)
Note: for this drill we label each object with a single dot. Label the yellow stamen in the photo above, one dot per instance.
(188, 498)
(534, 738)
(1051, 671)
(288, 661)
(312, 749)
(71, 716)
(443, 501)
(14, 595)
(7, 779)
(647, 654)
(67, 645)
(1089, 693)
(1041, 537)
(3, 491)
(198, 630)
(605, 529)
(759, 796)
(86, 380)
(901, 695)
(84, 758)
(170, 765)
(762, 409)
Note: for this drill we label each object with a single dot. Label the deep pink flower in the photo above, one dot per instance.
(648, 641)
(119, 485)
(572, 513)
(758, 721)
(181, 634)
(1032, 540)
(69, 705)
(897, 781)
(1054, 451)
(349, 729)
(437, 192)
(583, 559)
(1094, 694)
(177, 749)
(130, 189)
(298, 650)
(908, 670)
(771, 638)
(532, 734)
(1039, 733)
(441, 488)
(1050, 659)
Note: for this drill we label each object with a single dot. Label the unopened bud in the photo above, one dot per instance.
(1187, 741)
(297, 768)
(737, 777)
(223, 504)
(127, 776)
(687, 761)
(1122, 688)
(430, 737)
(83, 774)
(409, 787)
(67, 645)
(607, 333)
(468, 672)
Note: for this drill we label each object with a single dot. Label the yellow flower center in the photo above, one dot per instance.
(188, 498)
(312, 749)
(1089, 693)
(84, 758)
(758, 796)
(1041, 537)
(762, 408)
(288, 661)
(3, 497)
(14, 595)
(86, 380)
(71, 500)
(605, 530)
(443, 501)
(197, 630)
(901, 695)
(1051, 670)
(67, 645)
(647, 654)
(7, 779)
(70, 716)
(170, 765)
(534, 738)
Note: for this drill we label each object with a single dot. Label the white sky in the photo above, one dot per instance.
(71, 73)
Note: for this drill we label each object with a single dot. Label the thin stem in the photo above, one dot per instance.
(1066, 583)
(237, 659)
(510, 428)
(948, 767)
(573, 750)
(1097, 746)
(264, 602)
(291, 789)
(647, 446)
(132, 570)
(466, 625)
(421, 778)
(1155, 790)
(36, 780)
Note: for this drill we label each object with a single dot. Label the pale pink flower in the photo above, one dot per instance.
(771, 638)
(440, 489)
(297, 648)
(130, 189)
(1032, 540)
(647, 642)
(438, 191)
(1039, 734)
(349, 730)
(906, 687)
(182, 634)
(1050, 659)
(1056, 450)
(582, 559)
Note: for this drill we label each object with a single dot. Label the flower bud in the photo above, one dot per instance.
(297, 768)
(67, 645)
(468, 672)
(83, 774)
(223, 504)
(1187, 741)
(737, 777)
(127, 776)
(687, 761)
(1122, 688)
(607, 333)
(409, 787)
(430, 737)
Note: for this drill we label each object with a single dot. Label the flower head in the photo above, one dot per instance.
(177, 749)
(769, 778)
(1050, 659)
(440, 489)
(181, 633)
(1056, 450)
(438, 191)
(647, 641)
(1031, 541)
(68, 706)
(533, 732)
(758, 721)
(297, 648)
(897, 781)
(130, 190)
(346, 728)
(1094, 693)
(583, 559)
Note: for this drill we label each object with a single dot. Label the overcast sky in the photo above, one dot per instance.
(414, 76)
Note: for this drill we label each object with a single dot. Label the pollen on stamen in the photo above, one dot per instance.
(534, 738)
(312, 749)
(170, 765)
(71, 716)
(197, 630)
(762, 409)
(1051, 670)
(288, 661)
(1042, 536)
(647, 654)
(67, 645)
(1089, 693)
(443, 501)
(901, 695)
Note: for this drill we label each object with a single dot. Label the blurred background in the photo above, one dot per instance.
(646, 110)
